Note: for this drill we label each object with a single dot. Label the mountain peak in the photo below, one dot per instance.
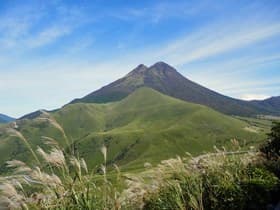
(142, 66)
(162, 66)
(167, 80)
(140, 69)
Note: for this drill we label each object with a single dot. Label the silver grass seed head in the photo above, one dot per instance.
(55, 157)
(104, 152)
(84, 165)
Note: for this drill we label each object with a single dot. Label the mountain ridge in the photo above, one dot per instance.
(273, 102)
(5, 118)
(167, 80)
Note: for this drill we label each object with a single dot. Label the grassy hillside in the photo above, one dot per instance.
(146, 126)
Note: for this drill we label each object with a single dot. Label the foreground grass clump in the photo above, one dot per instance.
(222, 180)
(60, 182)
(57, 179)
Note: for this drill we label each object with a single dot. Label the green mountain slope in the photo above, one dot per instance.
(146, 126)
(165, 79)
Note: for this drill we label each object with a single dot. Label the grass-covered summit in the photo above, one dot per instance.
(146, 126)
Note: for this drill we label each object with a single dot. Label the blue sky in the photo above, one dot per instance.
(54, 51)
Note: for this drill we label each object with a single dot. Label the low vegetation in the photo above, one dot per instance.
(61, 179)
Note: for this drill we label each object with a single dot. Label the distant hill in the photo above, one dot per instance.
(5, 118)
(32, 115)
(146, 126)
(165, 79)
(272, 103)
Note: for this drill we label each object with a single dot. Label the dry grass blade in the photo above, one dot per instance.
(55, 157)
(18, 165)
(104, 152)
(48, 118)
(19, 135)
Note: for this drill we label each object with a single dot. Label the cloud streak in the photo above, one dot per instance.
(22, 29)
(216, 40)
(249, 97)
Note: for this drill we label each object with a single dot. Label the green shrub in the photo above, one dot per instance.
(271, 148)
(223, 195)
(259, 188)
(169, 198)
(214, 181)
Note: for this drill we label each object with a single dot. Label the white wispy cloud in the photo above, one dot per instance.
(15, 25)
(155, 13)
(249, 97)
(226, 68)
(47, 36)
(19, 28)
(215, 40)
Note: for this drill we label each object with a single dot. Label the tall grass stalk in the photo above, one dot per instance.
(57, 181)
(19, 135)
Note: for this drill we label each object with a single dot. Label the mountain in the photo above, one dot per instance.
(32, 115)
(272, 103)
(5, 118)
(146, 126)
(165, 79)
